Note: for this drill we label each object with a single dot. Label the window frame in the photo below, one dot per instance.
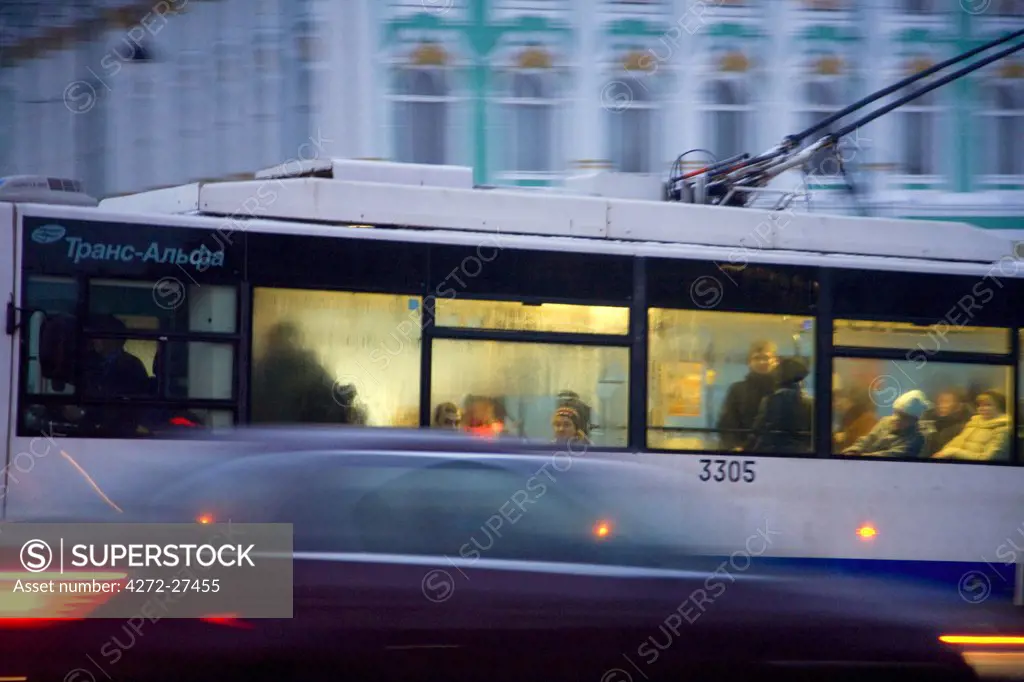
(236, 340)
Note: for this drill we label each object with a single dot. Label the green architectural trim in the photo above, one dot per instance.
(832, 34)
(636, 28)
(987, 222)
(483, 35)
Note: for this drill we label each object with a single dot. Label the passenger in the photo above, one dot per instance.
(948, 419)
(568, 426)
(290, 386)
(856, 417)
(986, 436)
(447, 416)
(481, 416)
(743, 401)
(573, 400)
(899, 435)
(784, 423)
(109, 371)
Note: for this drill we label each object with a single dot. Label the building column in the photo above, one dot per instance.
(588, 138)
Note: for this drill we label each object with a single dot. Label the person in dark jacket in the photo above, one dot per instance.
(290, 386)
(947, 419)
(111, 372)
(784, 422)
(743, 401)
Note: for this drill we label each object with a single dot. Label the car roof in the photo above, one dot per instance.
(356, 438)
(362, 445)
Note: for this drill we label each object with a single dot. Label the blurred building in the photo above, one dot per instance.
(149, 94)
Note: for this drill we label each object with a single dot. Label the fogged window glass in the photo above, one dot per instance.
(730, 381)
(1020, 392)
(335, 357)
(887, 408)
(922, 340)
(546, 317)
(534, 390)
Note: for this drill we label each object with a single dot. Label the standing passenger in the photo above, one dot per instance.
(743, 401)
(785, 421)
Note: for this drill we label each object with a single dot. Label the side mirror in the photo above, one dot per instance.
(58, 348)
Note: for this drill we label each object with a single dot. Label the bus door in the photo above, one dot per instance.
(9, 248)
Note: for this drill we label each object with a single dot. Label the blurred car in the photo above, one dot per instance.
(428, 556)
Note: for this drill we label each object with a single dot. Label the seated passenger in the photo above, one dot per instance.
(568, 426)
(111, 372)
(949, 417)
(784, 423)
(986, 436)
(856, 417)
(447, 416)
(743, 401)
(899, 435)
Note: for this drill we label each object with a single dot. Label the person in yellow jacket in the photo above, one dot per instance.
(986, 436)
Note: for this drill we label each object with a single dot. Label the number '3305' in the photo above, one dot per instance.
(732, 470)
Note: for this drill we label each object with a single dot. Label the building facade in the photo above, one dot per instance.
(525, 91)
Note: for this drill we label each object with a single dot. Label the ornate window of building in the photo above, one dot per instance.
(728, 112)
(631, 111)
(1003, 118)
(193, 105)
(822, 96)
(530, 110)
(143, 124)
(422, 103)
(631, 127)
(918, 134)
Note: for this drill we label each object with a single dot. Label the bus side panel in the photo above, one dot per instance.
(8, 391)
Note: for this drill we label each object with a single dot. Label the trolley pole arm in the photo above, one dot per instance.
(875, 96)
(960, 73)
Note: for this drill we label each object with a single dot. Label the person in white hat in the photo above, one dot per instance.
(899, 435)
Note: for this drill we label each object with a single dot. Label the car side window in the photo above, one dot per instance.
(473, 511)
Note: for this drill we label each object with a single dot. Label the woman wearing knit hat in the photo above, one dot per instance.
(568, 426)
(899, 435)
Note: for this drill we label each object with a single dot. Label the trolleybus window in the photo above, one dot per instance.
(922, 339)
(907, 409)
(335, 357)
(543, 391)
(543, 317)
(133, 345)
(730, 381)
(1020, 394)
